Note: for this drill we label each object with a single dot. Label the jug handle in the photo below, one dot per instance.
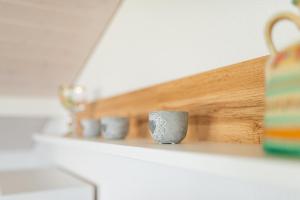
(269, 28)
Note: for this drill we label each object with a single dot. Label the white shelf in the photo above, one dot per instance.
(246, 162)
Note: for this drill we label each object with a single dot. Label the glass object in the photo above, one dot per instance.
(73, 98)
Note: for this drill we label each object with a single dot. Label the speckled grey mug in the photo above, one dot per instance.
(114, 128)
(168, 127)
(90, 127)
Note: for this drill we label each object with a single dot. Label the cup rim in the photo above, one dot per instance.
(89, 120)
(113, 118)
(168, 111)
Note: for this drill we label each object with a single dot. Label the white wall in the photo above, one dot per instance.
(16, 132)
(21, 159)
(20, 117)
(19, 106)
(153, 41)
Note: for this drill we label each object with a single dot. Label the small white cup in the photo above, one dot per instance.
(114, 128)
(91, 127)
(168, 127)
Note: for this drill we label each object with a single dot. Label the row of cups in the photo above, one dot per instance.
(167, 127)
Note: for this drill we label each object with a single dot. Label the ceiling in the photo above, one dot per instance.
(44, 43)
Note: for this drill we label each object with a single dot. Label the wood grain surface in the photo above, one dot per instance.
(225, 105)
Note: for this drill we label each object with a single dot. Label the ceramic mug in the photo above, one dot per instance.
(168, 127)
(282, 113)
(114, 128)
(91, 127)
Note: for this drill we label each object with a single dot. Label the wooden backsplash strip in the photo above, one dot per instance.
(225, 105)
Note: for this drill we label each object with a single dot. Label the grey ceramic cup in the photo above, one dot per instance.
(91, 127)
(168, 127)
(114, 128)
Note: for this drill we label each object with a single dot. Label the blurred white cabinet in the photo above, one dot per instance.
(45, 184)
(141, 170)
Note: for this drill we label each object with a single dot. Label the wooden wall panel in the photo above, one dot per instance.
(225, 105)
